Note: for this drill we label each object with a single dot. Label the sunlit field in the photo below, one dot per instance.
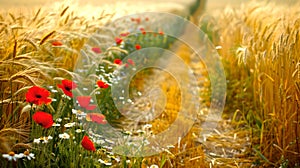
(68, 97)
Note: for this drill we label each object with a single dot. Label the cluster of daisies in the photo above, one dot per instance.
(13, 156)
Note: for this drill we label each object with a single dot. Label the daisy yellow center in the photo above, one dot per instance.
(11, 153)
(26, 153)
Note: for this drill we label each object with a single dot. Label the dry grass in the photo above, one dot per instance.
(260, 44)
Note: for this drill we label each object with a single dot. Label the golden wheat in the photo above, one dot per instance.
(260, 44)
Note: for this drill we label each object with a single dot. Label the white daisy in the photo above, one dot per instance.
(105, 162)
(37, 141)
(27, 155)
(147, 126)
(79, 130)
(45, 139)
(100, 141)
(11, 156)
(69, 125)
(78, 113)
(153, 166)
(55, 125)
(64, 136)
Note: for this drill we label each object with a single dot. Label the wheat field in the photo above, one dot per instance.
(258, 44)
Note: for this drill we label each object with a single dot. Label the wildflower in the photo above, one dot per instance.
(27, 155)
(69, 125)
(118, 40)
(105, 162)
(58, 120)
(137, 47)
(142, 29)
(138, 20)
(57, 43)
(36, 140)
(153, 166)
(43, 139)
(140, 131)
(43, 119)
(87, 144)
(55, 125)
(130, 61)
(124, 34)
(147, 19)
(100, 141)
(67, 85)
(79, 130)
(96, 117)
(118, 61)
(102, 84)
(78, 113)
(11, 156)
(127, 132)
(84, 102)
(64, 136)
(38, 95)
(115, 158)
(161, 33)
(97, 50)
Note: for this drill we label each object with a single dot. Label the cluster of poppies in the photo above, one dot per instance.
(39, 96)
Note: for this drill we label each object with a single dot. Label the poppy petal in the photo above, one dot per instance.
(102, 84)
(87, 144)
(118, 61)
(96, 117)
(42, 118)
(66, 86)
(96, 50)
(84, 101)
(91, 107)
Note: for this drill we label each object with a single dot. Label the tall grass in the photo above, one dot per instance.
(260, 51)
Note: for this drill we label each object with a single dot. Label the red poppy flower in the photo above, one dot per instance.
(43, 119)
(38, 95)
(102, 84)
(118, 40)
(147, 19)
(57, 43)
(97, 50)
(96, 117)
(138, 20)
(137, 47)
(124, 34)
(67, 85)
(88, 144)
(161, 32)
(118, 61)
(84, 102)
(130, 61)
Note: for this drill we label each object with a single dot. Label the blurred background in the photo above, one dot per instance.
(210, 4)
